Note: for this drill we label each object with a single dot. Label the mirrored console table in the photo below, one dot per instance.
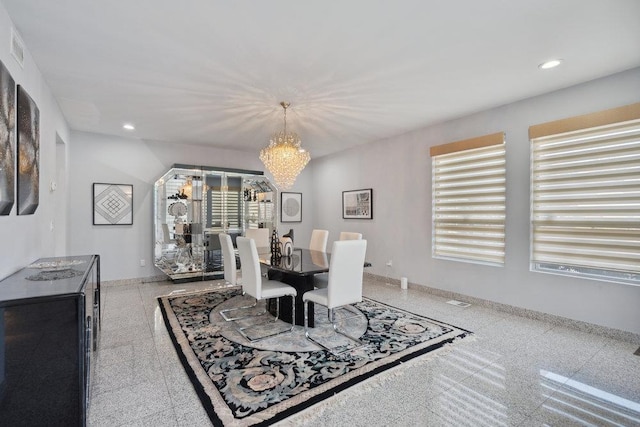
(49, 328)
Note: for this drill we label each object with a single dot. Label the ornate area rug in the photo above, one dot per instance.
(243, 384)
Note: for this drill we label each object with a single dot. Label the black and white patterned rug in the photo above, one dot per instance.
(243, 384)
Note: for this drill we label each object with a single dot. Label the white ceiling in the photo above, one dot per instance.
(355, 71)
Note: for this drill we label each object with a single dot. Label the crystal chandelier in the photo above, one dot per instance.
(284, 157)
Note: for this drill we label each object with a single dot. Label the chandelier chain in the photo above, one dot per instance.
(285, 105)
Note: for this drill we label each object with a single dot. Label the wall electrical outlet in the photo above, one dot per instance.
(142, 263)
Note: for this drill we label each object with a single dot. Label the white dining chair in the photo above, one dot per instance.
(231, 275)
(320, 280)
(228, 259)
(348, 235)
(261, 236)
(319, 240)
(261, 289)
(344, 287)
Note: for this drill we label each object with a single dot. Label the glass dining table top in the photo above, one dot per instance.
(302, 262)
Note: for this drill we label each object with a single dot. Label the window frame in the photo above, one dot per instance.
(582, 128)
(482, 240)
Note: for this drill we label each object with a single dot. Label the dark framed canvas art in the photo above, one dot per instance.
(357, 204)
(290, 207)
(7, 140)
(28, 143)
(112, 204)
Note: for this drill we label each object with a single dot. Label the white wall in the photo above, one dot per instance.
(108, 159)
(26, 238)
(399, 171)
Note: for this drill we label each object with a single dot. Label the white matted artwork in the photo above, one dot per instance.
(290, 207)
(357, 204)
(112, 204)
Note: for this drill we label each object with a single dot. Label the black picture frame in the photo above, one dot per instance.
(290, 207)
(112, 204)
(357, 204)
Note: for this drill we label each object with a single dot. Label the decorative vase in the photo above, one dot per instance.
(287, 246)
(276, 251)
(289, 235)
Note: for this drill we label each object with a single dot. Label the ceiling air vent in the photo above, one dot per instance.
(17, 47)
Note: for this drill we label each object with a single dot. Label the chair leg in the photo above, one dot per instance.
(344, 334)
(224, 312)
(335, 328)
(306, 319)
(293, 311)
(277, 309)
(347, 309)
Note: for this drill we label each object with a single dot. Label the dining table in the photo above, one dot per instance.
(296, 270)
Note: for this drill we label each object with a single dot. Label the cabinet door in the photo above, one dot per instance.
(43, 367)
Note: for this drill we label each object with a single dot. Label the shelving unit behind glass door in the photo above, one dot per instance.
(259, 197)
(179, 242)
(192, 206)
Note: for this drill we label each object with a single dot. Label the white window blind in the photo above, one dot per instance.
(253, 213)
(215, 199)
(469, 200)
(225, 203)
(226, 208)
(586, 201)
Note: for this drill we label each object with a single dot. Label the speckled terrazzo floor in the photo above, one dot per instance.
(514, 372)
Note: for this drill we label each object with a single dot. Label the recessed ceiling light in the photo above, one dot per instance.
(128, 126)
(550, 64)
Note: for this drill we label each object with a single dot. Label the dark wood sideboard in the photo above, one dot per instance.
(49, 328)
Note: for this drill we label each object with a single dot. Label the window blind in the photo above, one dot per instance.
(586, 200)
(469, 200)
(224, 203)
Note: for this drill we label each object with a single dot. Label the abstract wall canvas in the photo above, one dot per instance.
(28, 153)
(112, 204)
(7, 140)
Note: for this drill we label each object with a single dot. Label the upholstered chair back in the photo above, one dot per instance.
(319, 240)
(347, 235)
(260, 235)
(345, 272)
(250, 267)
(228, 259)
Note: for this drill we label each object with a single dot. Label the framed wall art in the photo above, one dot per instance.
(290, 207)
(357, 204)
(28, 147)
(7, 140)
(112, 204)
